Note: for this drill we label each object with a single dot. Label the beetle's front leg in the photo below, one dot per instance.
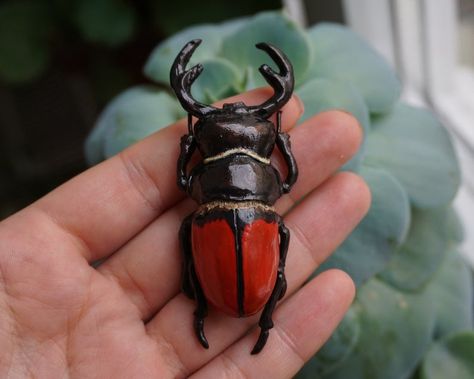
(283, 143)
(188, 146)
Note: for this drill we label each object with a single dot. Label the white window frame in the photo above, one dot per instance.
(419, 39)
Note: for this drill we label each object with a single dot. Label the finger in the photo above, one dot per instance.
(321, 145)
(317, 226)
(302, 325)
(108, 204)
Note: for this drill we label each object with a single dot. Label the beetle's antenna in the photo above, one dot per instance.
(282, 82)
(181, 80)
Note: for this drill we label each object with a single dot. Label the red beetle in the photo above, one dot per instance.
(234, 244)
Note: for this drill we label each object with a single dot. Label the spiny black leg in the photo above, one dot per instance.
(187, 148)
(283, 143)
(190, 283)
(266, 322)
(284, 243)
(201, 311)
(185, 241)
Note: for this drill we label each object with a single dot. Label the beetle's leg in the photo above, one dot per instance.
(201, 311)
(283, 143)
(190, 284)
(266, 322)
(185, 241)
(284, 243)
(188, 145)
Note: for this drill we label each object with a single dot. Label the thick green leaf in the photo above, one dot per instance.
(452, 294)
(412, 144)
(158, 65)
(452, 357)
(25, 27)
(456, 229)
(111, 22)
(395, 331)
(420, 256)
(320, 95)
(370, 246)
(216, 81)
(272, 27)
(131, 116)
(335, 350)
(340, 54)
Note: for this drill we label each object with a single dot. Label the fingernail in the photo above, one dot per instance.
(299, 103)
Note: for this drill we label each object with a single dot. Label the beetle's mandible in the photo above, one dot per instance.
(235, 244)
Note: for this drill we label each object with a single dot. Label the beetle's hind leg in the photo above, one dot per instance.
(266, 322)
(201, 310)
(190, 284)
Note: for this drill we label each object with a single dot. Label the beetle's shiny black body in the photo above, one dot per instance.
(236, 187)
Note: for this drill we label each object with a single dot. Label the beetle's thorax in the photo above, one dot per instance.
(233, 129)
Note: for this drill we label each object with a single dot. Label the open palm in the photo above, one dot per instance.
(61, 317)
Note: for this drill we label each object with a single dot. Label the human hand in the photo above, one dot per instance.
(60, 317)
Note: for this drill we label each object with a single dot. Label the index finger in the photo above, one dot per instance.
(108, 204)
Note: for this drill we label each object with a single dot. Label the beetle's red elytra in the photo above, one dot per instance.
(235, 244)
(238, 280)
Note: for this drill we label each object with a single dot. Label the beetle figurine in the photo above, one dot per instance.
(235, 244)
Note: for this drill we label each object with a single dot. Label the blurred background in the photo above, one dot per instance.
(62, 61)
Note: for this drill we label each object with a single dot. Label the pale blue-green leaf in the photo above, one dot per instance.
(216, 80)
(25, 28)
(413, 145)
(456, 229)
(372, 244)
(145, 113)
(95, 142)
(335, 350)
(131, 116)
(450, 358)
(395, 330)
(249, 78)
(159, 62)
(338, 53)
(322, 94)
(229, 27)
(273, 27)
(415, 263)
(452, 295)
(111, 22)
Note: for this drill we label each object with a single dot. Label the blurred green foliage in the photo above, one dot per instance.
(413, 312)
(25, 29)
(102, 38)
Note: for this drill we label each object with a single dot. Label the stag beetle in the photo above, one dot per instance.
(235, 244)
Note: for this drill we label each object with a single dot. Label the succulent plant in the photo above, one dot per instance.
(413, 312)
